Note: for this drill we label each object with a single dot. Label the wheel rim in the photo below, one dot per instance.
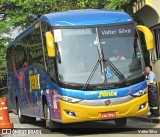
(47, 115)
(19, 112)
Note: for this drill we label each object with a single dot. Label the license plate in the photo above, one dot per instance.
(108, 114)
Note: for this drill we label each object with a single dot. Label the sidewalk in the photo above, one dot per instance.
(147, 119)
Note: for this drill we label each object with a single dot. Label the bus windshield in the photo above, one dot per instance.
(120, 44)
(78, 52)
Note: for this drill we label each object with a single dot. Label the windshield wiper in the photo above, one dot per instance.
(116, 71)
(112, 67)
(91, 75)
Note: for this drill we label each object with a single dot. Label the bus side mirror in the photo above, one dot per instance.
(50, 44)
(148, 36)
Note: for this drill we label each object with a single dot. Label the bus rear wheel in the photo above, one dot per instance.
(22, 119)
(31, 119)
(49, 123)
(121, 122)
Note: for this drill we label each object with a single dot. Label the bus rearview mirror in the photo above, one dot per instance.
(50, 44)
(148, 36)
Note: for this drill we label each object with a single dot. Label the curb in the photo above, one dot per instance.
(147, 119)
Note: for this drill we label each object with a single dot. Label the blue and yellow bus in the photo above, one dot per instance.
(77, 66)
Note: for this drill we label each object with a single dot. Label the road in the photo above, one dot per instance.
(90, 129)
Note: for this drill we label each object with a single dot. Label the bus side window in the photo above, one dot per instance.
(18, 55)
(34, 49)
(50, 61)
(9, 59)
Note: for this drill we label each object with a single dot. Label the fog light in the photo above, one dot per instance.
(70, 113)
(142, 106)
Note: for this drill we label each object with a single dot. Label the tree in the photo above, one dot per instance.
(3, 61)
(15, 13)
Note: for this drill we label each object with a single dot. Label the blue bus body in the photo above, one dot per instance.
(31, 100)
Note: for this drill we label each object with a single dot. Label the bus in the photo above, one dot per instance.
(76, 66)
(152, 8)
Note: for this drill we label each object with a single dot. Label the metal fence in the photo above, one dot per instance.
(3, 91)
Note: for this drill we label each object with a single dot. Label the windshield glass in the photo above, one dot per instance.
(78, 53)
(121, 46)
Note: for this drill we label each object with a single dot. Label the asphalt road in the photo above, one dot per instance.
(88, 129)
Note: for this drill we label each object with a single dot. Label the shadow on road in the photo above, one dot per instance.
(89, 128)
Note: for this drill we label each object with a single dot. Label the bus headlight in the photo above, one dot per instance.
(70, 99)
(140, 93)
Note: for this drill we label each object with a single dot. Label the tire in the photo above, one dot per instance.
(22, 119)
(49, 123)
(31, 119)
(121, 122)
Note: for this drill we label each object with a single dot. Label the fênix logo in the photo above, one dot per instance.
(107, 94)
(34, 81)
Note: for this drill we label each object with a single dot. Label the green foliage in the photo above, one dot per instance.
(124, 5)
(15, 13)
(116, 4)
(3, 56)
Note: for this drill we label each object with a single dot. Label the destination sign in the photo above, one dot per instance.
(71, 32)
(116, 31)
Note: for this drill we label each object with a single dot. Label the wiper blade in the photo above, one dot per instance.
(91, 75)
(116, 71)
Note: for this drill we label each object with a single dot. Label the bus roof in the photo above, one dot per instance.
(85, 17)
(78, 18)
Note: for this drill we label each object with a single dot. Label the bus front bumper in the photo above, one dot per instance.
(89, 113)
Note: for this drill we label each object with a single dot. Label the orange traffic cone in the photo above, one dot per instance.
(4, 115)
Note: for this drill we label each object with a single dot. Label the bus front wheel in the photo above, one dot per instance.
(121, 122)
(49, 123)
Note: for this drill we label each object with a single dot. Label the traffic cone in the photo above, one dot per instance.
(4, 115)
